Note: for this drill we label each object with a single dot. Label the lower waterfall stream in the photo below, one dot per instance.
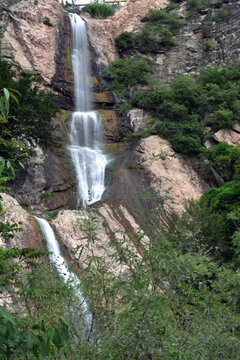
(57, 259)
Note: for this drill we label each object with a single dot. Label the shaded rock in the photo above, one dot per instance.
(49, 178)
(137, 118)
(36, 39)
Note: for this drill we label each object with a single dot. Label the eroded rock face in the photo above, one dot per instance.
(31, 36)
(170, 175)
(49, 180)
(230, 136)
(107, 227)
(13, 213)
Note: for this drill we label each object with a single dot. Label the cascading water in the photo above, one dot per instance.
(86, 135)
(68, 276)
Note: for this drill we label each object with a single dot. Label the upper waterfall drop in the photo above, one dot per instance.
(86, 134)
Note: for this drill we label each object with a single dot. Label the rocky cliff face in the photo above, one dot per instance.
(36, 39)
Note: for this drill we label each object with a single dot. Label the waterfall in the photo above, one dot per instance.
(68, 276)
(86, 135)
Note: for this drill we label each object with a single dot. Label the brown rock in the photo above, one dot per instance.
(227, 135)
(110, 124)
(103, 97)
(68, 225)
(170, 175)
(28, 41)
(14, 213)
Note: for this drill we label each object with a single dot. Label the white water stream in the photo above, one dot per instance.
(86, 135)
(68, 276)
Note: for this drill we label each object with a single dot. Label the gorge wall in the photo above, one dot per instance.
(35, 38)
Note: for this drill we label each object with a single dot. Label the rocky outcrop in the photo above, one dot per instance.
(36, 40)
(193, 50)
(12, 213)
(171, 176)
(49, 180)
(230, 136)
(94, 233)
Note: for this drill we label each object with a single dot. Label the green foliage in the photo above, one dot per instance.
(99, 11)
(123, 74)
(164, 17)
(136, 166)
(209, 45)
(226, 160)
(125, 43)
(205, 29)
(180, 112)
(25, 120)
(196, 5)
(149, 42)
(175, 302)
(221, 15)
(157, 33)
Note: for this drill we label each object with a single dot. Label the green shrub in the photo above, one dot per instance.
(209, 45)
(158, 17)
(28, 122)
(185, 144)
(205, 29)
(125, 43)
(148, 41)
(99, 11)
(156, 34)
(221, 15)
(226, 160)
(195, 5)
(123, 74)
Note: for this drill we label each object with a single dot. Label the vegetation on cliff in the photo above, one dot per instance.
(181, 112)
(27, 123)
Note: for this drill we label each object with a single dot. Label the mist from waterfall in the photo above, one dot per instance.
(86, 134)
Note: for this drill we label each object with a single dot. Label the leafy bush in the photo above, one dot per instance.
(156, 34)
(211, 98)
(195, 5)
(158, 17)
(123, 74)
(28, 120)
(209, 45)
(99, 11)
(221, 15)
(125, 43)
(226, 160)
(205, 30)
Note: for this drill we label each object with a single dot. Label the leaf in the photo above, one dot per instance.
(6, 315)
(65, 321)
(9, 166)
(15, 98)
(6, 93)
(6, 100)
(43, 348)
